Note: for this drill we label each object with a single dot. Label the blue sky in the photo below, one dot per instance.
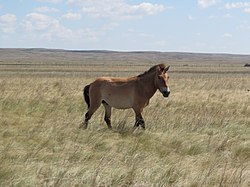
(204, 26)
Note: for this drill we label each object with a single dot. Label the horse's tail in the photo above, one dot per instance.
(86, 95)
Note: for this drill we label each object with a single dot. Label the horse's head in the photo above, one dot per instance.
(161, 80)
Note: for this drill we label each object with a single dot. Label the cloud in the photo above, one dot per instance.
(227, 16)
(239, 5)
(244, 25)
(41, 27)
(45, 9)
(247, 10)
(117, 9)
(50, 1)
(44, 27)
(190, 18)
(227, 35)
(148, 8)
(72, 16)
(207, 3)
(8, 23)
(109, 26)
(39, 22)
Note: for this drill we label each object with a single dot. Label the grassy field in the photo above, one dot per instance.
(199, 136)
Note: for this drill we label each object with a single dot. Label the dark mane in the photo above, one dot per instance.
(153, 69)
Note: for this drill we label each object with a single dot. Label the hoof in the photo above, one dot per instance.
(83, 126)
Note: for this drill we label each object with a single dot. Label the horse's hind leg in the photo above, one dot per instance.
(107, 117)
(93, 107)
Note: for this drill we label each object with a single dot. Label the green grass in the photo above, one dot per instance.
(199, 136)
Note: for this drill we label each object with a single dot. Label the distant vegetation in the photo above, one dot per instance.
(247, 65)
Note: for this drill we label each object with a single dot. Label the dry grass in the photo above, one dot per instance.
(199, 136)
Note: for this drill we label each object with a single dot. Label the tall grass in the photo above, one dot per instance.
(199, 136)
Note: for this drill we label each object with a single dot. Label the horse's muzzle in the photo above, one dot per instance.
(165, 93)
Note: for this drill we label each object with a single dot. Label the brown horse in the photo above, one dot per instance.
(124, 93)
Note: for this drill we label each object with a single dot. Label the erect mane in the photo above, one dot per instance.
(153, 69)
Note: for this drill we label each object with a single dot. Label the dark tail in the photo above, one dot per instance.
(86, 95)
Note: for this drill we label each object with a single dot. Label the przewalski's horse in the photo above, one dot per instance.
(125, 93)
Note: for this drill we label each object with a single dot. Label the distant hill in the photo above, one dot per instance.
(98, 57)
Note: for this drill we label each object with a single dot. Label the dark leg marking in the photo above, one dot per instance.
(85, 123)
(108, 121)
(107, 117)
(139, 122)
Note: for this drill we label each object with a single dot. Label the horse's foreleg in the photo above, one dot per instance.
(107, 117)
(139, 121)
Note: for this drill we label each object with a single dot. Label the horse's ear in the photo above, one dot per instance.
(166, 69)
(162, 67)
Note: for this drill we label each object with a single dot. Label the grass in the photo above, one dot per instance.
(199, 136)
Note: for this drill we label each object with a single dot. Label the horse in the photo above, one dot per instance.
(124, 93)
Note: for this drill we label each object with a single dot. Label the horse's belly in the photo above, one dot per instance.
(119, 102)
(120, 97)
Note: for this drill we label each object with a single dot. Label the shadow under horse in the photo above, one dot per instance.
(124, 93)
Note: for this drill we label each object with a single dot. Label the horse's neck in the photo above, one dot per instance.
(148, 87)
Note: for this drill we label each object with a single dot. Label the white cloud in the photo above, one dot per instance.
(39, 22)
(40, 27)
(207, 3)
(45, 9)
(109, 26)
(190, 18)
(45, 27)
(8, 23)
(244, 25)
(148, 8)
(145, 35)
(227, 35)
(247, 10)
(50, 1)
(228, 16)
(117, 9)
(212, 17)
(239, 5)
(72, 16)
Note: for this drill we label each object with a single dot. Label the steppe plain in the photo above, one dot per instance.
(199, 136)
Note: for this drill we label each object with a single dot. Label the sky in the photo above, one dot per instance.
(199, 26)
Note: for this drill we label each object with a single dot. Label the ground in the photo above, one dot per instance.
(199, 136)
